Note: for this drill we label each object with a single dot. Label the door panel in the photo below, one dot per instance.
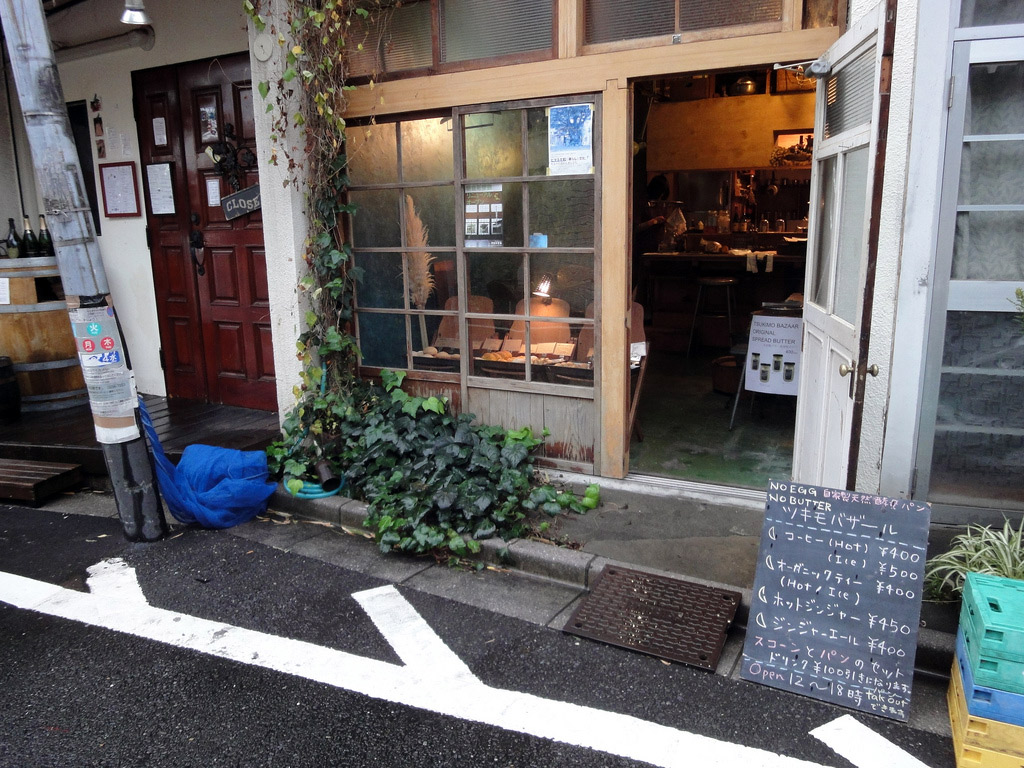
(177, 294)
(223, 315)
(844, 139)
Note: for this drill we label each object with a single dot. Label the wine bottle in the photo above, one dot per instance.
(29, 242)
(45, 241)
(12, 242)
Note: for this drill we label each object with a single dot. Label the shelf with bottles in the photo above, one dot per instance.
(27, 245)
(752, 200)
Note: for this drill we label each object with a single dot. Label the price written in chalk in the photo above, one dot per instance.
(837, 597)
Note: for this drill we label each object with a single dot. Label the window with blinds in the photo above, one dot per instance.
(400, 38)
(850, 95)
(483, 29)
(608, 21)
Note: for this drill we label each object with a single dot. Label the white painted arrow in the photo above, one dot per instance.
(431, 678)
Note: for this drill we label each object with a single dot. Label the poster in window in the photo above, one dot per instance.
(483, 215)
(570, 144)
(773, 355)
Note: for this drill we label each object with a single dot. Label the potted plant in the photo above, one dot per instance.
(981, 549)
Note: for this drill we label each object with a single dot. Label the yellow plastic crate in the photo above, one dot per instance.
(979, 732)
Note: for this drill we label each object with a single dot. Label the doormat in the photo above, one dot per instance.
(661, 616)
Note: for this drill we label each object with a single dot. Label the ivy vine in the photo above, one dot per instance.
(433, 480)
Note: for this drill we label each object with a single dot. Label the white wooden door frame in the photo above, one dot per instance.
(824, 405)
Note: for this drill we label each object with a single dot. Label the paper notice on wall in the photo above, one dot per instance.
(570, 139)
(773, 355)
(161, 191)
(5, 290)
(213, 192)
(159, 132)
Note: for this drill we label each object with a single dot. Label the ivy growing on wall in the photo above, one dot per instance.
(433, 480)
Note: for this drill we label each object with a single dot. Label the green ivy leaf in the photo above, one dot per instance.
(264, 88)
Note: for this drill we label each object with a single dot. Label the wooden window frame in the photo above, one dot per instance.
(438, 67)
(790, 21)
(463, 375)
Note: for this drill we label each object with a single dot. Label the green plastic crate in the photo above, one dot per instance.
(992, 613)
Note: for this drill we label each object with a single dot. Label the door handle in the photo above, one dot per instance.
(196, 243)
(845, 370)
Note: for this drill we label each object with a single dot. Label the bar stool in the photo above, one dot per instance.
(712, 283)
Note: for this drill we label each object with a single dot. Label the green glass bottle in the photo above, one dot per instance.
(45, 241)
(29, 241)
(12, 243)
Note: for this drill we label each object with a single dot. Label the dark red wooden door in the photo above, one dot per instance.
(213, 307)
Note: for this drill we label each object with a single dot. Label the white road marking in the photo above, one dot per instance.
(114, 603)
(861, 746)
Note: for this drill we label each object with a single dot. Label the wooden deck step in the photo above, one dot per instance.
(36, 481)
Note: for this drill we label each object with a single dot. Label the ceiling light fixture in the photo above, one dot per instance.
(134, 13)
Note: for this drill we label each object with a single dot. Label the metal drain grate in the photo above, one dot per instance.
(665, 617)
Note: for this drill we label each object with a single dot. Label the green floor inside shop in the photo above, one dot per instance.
(685, 425)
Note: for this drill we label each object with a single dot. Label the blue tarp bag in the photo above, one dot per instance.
(215, 487)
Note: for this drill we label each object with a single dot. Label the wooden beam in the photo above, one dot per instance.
(580, 74)
(613, 405)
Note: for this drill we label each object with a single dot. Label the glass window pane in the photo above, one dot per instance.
(563, 211)
(707, 15)
(432, 281)
(822, 266)
(566, 277)
(979, 438)
(482, 29)
(990, 172)
(493, 142)
(995, 99)
(372, 153)
(499, 277)
(610, 20)
(981, 13)
(852, 235)
(494, 215)
(989, 245)
(382, 340)
(375, 222)
(404, 37)
(446, 293)
(435, 209)
(381, 286)
(564, 348)
(427, 149)
(537, 141)
(430, 339)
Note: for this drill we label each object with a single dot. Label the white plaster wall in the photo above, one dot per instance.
(284, 230)
(184, 32)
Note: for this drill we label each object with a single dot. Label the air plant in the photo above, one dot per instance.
(421, 279)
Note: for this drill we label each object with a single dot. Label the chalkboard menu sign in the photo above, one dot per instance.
(837, 597)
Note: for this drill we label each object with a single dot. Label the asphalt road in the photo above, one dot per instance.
(72, 694)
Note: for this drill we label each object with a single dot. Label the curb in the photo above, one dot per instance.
(935, 649)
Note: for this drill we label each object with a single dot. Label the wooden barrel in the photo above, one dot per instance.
(10, 394)
(35, 332)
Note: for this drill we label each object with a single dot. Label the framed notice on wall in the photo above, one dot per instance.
(120, 190)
